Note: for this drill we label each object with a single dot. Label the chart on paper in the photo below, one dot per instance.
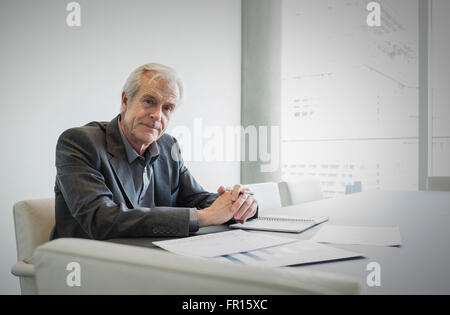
(297, 253)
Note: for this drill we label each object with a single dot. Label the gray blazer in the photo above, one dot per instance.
(92, 198)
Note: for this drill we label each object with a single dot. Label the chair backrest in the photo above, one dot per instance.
(108, 268)
(438, 183)
(267, 195)
(33, 221)
(299, 191)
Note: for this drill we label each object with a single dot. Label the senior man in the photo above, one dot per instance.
(126, 178)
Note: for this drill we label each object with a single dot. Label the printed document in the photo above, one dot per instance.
(222, 243)
(297, 253)
(358, 235)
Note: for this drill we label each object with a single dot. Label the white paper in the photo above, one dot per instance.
(222, 243)
(299, 252)
(359, 235)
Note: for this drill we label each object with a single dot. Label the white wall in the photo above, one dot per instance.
(54, 77)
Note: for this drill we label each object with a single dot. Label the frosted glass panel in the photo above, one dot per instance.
(440, 76)
(350, 95)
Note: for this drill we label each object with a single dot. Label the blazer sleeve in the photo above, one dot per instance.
(90, 201)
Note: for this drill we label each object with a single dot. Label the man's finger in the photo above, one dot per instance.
(251, 212)
(221, 190)
(236, 191)
(245, 205)
(238, 203)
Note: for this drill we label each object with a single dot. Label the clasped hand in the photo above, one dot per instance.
(233, 204)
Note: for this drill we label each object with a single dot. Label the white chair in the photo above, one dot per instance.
(108, 268)
(33, 221)
(440, 183)
(267, 195)
(300, 191)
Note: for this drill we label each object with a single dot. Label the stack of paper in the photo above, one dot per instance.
(274, 251)
(358, 235)
(254, 248)
(297, 253)
(223, 243)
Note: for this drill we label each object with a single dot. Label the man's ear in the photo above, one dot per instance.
(124, 104)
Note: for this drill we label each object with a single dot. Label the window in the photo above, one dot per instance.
(440, 104)
(350, 95)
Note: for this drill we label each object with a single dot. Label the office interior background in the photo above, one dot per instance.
(346, 96)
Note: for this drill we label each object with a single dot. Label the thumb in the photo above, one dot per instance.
(221, 190)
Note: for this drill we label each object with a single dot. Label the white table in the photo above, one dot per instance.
(420, 266)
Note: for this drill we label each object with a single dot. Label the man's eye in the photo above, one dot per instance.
(150, 101)
(168, 108)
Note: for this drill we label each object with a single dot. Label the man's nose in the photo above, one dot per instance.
(156, 115)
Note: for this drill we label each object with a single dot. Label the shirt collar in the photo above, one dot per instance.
(150, 154)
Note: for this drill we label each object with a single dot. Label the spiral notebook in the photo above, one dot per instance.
(280, 224)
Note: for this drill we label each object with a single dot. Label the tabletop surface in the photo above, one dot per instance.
(420, 266)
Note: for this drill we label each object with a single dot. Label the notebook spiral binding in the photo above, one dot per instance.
(285, 219)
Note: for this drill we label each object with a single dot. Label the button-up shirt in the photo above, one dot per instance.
(143, 179)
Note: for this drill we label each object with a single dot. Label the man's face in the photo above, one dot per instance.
(146, 116)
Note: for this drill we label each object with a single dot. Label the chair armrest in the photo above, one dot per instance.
(23, 269)
(109, 268)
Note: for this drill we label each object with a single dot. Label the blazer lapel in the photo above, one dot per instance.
(161, 177)
(118, 160)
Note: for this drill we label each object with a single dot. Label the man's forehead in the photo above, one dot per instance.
(163, 86)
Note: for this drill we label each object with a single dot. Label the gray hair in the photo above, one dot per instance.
(132, 84)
